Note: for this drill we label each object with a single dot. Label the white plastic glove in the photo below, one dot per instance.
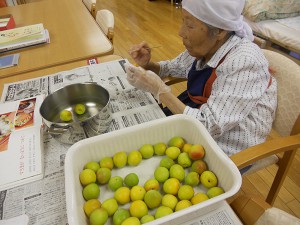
(146, 80)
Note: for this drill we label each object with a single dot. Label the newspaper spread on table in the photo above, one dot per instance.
(43, 201)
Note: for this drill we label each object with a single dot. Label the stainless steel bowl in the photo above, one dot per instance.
(97, 115)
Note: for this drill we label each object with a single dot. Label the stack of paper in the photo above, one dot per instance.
(7, 22)
(9, 60)
(22, 37)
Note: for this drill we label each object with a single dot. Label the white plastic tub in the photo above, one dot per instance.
(132, 138)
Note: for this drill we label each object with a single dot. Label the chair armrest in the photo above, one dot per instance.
(296, 127)
(268, 148)
(260, 42)
(173, 80)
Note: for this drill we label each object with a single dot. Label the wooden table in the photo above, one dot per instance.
(51, 70)
(74, 35)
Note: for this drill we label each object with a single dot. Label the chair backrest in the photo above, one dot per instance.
(106, 21)
(287, 74)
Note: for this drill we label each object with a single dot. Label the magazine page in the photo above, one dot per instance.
(20, 141)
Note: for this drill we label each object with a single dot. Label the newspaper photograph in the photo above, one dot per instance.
(25, 89)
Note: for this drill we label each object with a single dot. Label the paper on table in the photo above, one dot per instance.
(20, 34)
(9, 60)
(7, 22)
(219, 213)
(20, 142)
(4, 22)
(20, 220)
(45, 38)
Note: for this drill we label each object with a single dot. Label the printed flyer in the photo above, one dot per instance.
(20, 142)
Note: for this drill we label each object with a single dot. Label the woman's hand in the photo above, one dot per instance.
(141, 54)
(146, 80)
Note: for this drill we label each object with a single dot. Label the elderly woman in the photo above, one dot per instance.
(229, 87)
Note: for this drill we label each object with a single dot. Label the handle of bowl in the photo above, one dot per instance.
(90, 82)
(54, 129)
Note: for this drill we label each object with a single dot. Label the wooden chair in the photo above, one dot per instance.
(260, 42)
(105, 20)
(284, 139)
(254, 210)
(285, 136)
(91, 6)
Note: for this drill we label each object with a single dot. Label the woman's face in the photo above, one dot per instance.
(196, 38)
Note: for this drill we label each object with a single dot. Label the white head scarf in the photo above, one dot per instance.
(223, 14)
